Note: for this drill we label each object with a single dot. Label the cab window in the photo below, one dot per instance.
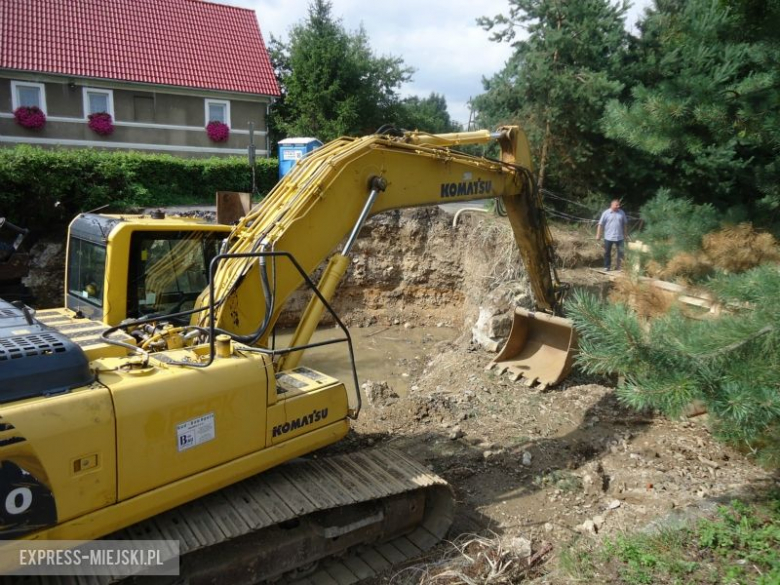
(86, 271)
(168, 271)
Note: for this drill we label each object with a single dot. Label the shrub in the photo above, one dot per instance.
(40, 188)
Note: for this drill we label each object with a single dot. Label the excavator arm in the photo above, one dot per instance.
(330, 194)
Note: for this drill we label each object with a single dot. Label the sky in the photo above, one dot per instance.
(440, 39)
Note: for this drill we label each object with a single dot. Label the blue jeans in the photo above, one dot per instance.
(608, 253)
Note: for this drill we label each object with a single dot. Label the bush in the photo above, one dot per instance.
(34, 180)
(730, 364)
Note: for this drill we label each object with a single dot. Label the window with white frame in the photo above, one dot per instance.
(218, 110)
(97, 101)
(25, 93)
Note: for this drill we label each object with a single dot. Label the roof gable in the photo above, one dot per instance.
(188, 43)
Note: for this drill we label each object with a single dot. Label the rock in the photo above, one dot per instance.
(519, 546)
(396, 321)
(588, 527)
(598, 522)
(456, 433)
(379, 393)
(408, 325)
(527, 458)
(548, 527)
(614, 505)
(440, 324)
(44, 277)
(491, 329)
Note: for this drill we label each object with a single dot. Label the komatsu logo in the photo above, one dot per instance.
(466, 188)
(299, 422)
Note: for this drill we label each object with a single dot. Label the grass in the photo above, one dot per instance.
(739, 544)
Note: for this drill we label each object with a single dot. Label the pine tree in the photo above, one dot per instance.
(705, 100)
(556, 86)
(731, 364)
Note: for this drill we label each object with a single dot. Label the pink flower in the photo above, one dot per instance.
(31, 117)
(101, 123)
(218, 131)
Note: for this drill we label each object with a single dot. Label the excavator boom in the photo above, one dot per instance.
(332, 191)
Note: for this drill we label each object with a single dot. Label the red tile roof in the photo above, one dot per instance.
(188, 43)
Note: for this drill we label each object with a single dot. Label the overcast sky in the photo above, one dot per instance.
(438, 38)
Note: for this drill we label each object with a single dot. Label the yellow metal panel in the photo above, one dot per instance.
(111, 518)
(175, 421)
(66, 442)
(298, 412)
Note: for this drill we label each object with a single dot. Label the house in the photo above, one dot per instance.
(152, 74)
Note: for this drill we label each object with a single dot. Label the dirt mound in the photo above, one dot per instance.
(405, 265)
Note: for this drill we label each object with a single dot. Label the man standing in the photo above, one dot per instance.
(614, 225)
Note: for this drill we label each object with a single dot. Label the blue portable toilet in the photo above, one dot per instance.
(291, 150)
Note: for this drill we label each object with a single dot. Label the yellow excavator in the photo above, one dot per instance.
(157, 405)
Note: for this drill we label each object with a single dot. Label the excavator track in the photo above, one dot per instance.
(335, 520)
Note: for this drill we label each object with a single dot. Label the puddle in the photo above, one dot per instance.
(391, 354)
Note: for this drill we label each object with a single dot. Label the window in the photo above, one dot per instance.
(28, 94)
(218, 110)
(168, 270)
(98, 100)
(86, 270)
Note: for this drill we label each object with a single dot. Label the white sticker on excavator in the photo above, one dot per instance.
(195, 432)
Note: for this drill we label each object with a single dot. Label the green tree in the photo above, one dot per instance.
(332, 83)
(705, 101)
(731, 364)
(563, 72)
(427, 114)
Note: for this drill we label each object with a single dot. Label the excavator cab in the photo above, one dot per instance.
(153, 265)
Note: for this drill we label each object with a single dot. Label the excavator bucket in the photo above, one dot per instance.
(540, 349)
